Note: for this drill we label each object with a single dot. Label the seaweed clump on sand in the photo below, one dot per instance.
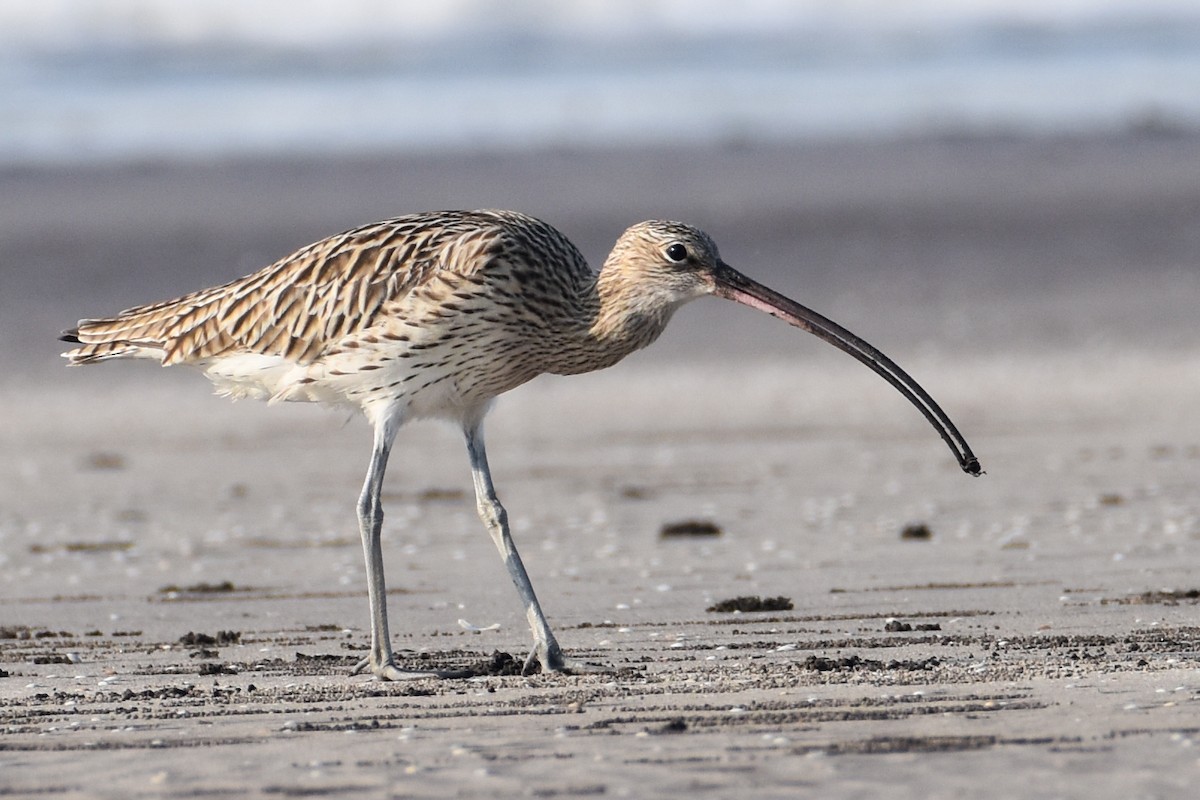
(690, 527)
(916, 531)
(752, 603)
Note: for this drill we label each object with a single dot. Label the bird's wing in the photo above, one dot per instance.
(293, 308)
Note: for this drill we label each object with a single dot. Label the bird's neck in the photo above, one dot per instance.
(612, 320)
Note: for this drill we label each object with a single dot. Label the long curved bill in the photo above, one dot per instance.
(733, 285)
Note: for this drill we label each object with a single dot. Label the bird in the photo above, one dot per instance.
(434, 315)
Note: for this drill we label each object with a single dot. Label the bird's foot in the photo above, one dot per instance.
(385, 669)
(549, 656)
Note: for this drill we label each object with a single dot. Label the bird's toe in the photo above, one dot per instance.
(550, 658)
(390, 672)
(386, 670)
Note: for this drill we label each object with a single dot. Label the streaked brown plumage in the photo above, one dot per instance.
(434, 315)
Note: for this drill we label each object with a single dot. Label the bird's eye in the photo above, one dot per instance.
(677, 252)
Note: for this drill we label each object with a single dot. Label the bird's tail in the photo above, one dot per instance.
(136, 333)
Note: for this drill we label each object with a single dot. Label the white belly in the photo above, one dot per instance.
(451, 380)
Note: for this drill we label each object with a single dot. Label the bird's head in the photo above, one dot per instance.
(667, 263)
(660, 265)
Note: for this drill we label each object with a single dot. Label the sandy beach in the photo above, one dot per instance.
(181, 584)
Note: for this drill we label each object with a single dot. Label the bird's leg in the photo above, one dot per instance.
(545, 647)
(370, 522)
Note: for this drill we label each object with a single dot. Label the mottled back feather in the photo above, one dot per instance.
(303, 304)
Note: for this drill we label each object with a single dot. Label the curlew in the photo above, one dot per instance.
(434, 315)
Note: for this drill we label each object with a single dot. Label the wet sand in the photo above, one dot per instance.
(180, 578)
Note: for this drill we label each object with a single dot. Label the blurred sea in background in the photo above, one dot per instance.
(93, 81)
